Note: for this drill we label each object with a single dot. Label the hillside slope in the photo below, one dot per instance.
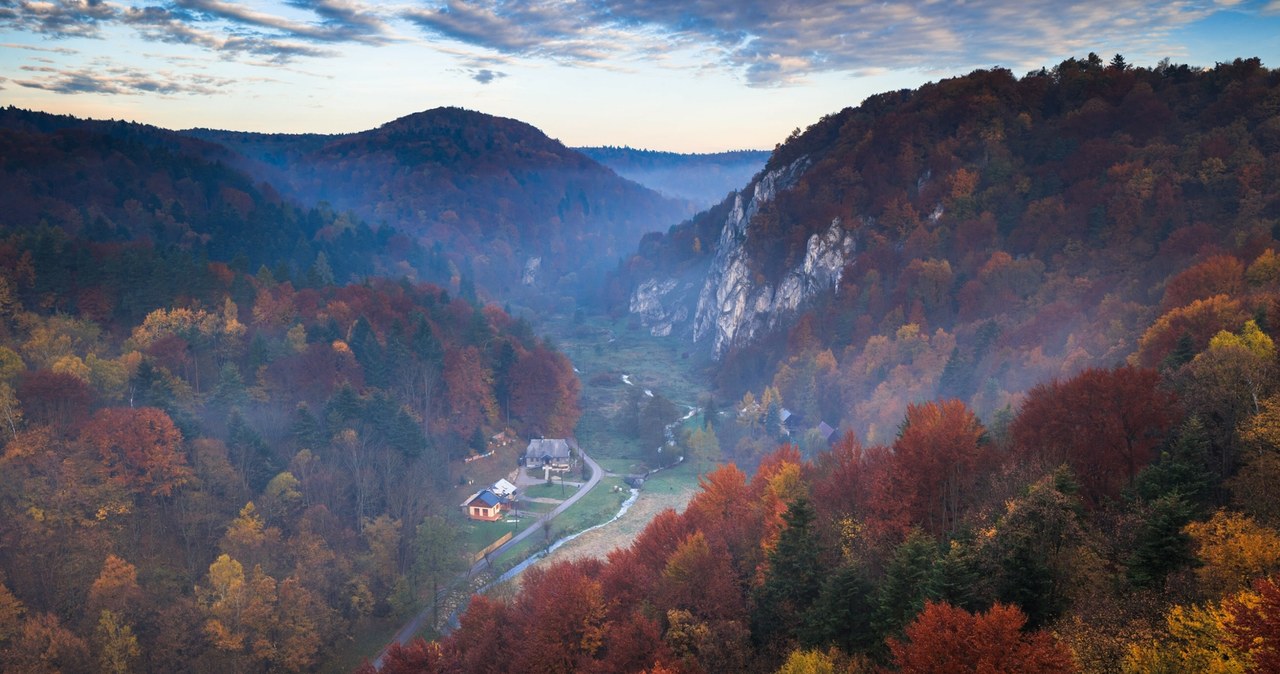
(972, 237)
(510, 204)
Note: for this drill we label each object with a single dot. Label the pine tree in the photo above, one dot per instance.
(1162, 546)
(842, 614)
(792, 582)
(906, 584)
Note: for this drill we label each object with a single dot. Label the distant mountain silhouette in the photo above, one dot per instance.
(703, 179)
(495, 192)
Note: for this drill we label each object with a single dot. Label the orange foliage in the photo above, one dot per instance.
(1200, 320)
(470, 387)
(934, 469)
(1218, 275)
(944, 638)
(141, 449)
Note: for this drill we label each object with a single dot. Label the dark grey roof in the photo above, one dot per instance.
(542, 448)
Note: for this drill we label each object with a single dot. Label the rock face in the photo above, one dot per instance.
(732, 307)
(531, 268)
(656, 304)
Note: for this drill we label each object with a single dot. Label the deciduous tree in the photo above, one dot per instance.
(948, 639)
(140, 448)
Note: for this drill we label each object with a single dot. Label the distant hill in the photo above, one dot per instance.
(507, 202)
(702, 179)
(108, 181)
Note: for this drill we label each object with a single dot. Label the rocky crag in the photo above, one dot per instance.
(732, 306)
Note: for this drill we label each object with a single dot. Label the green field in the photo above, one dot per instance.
(478, 535)
(604, 350)
(535, 507)
(555, 490)
(597, 507)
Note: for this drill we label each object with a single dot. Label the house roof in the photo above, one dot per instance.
(826, 430)
(541, 448)
(503, 488)
(485, 497)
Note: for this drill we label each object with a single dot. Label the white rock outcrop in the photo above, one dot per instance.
(531, 268)
(653, 302)
(733, 307)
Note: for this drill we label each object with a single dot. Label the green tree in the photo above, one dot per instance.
(842, 614)
(792, 580)
(906, 585)
(116, 644)
(1162, 546)
(1182, 469)
(436, 558)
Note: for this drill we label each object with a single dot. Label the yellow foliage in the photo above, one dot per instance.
(1251, 339)
(296, 338)
(46, 345)
(1196, 643)
(183, 322)
(1265, 270)
(72, 365)
(808, 662)
(1262, 430)
(1234, 550)
(11, 364)
(10, 411)
(787, 485)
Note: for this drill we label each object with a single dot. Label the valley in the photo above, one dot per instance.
(991, 355)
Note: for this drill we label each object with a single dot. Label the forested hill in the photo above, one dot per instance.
(208, 471)
(446, 195)
(495, 192)
(981, 234)
(1052, 348)
(703, 179)
(115, 182)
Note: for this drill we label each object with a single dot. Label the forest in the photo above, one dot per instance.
(1034, 427)
(1053, 363)
(1124, 519)
(211, 470)
(1008, 231)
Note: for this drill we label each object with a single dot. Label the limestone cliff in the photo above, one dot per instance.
(732, 306)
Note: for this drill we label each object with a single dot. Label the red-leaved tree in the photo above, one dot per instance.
(944, 638)
(1104, 424)
(141, 449)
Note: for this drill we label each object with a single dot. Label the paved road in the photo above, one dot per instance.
(414, 625)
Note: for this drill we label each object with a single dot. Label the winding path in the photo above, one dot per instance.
(415, 624)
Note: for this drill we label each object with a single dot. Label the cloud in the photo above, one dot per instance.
(56, 18)
(773, 43)
(175, 26)
(341, 21)
(485, 76)
(124, 81)
(544, 29)
(49, 50)
(217, 25)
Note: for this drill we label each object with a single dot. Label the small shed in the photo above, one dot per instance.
(484, 505)
(503, 489)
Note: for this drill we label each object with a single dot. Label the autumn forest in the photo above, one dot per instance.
(1032, 426)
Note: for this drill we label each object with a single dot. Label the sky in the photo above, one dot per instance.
(677, 75)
